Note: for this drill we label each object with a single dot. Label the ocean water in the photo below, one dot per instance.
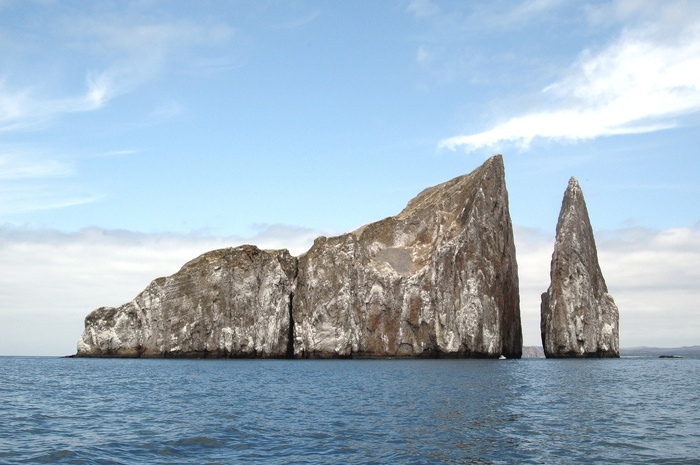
(111, 411)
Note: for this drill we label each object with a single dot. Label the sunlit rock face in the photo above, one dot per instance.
(226, 303)
(439, 279)
(578, 316)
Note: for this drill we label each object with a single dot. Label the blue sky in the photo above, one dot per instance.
(136, 135)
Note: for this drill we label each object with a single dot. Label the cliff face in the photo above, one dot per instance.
(439, 279)
(578, 316)
(226, 303)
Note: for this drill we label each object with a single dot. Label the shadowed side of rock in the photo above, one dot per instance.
(578, 316)
(226, 303)
(439, 279)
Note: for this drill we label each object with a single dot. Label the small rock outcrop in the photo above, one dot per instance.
(578, 316)
(439, 279)
(533, 352)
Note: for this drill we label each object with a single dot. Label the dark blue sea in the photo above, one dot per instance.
(108, 411)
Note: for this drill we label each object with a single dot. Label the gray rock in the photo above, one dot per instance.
(231, 302)
(533, 352)
(578, 316)
(439, 279)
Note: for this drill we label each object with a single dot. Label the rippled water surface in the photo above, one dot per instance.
(106, 411)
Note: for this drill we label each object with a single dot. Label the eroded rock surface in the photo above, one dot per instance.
(578, 316)
(439, 279)
(231, 302)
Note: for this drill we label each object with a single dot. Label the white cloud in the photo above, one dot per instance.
(646, 80)
(52, 280)
(654, 278)
(26, 109)
(99, 91)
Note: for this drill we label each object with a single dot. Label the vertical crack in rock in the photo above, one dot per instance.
(290, 334)
(578, 316)
(438, 279)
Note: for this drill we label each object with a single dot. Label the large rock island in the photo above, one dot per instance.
(578, 316)
(439, 279)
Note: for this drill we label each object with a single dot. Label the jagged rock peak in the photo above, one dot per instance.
(578, 316)
(438, 279)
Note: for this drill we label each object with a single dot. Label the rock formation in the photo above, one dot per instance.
(226, 303)
(439, 279)
(533, 352)
(578, 316)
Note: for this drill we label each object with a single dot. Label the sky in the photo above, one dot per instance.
(135, 136)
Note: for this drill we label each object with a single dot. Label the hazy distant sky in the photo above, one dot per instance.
(136, 135)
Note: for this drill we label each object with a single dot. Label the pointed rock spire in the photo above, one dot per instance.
(578, 316)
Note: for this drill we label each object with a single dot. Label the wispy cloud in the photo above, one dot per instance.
(452, 46)
(137, 49)
(646, 80)
(27, 197)
(118, 50)
(100, 90)
(32, 181)
(88, 57)
(528, 10)
(13, 167)
(301, 21)
(27, 108)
